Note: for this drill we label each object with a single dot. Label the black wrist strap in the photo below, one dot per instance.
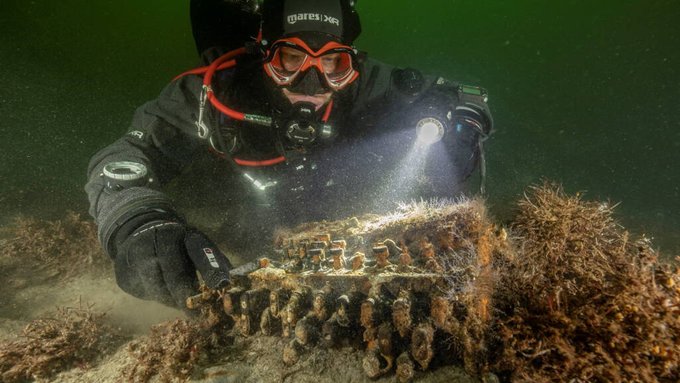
(129, 223)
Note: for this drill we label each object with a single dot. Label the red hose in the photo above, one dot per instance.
(207, 81)
(224, 62)
(203, 69)
(327, 113)
(269, 162)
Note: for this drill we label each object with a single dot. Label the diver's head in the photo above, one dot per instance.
(335, 18)
(309, 49)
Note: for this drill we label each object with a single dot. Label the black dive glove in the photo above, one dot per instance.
(159, 260)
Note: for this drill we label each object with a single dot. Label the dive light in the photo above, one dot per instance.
(434, 121)
(429, 130)
(432, 124)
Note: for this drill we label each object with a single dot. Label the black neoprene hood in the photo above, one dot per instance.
(338, 18)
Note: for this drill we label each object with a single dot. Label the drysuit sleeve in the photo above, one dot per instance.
(163, 138)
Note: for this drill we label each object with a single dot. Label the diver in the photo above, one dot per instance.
(294, 122)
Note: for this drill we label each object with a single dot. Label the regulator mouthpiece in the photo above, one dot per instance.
(304, 126)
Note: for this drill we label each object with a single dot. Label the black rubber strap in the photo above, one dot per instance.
(129, 222)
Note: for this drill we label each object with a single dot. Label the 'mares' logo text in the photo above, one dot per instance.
(292, 19)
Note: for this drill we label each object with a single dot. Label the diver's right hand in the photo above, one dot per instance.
(158, 261)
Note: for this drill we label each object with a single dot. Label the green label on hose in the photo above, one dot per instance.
(467, 89)
(262, 120)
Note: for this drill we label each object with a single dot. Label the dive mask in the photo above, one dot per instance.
(289, 57)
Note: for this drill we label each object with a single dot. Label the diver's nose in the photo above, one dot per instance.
(311, 83)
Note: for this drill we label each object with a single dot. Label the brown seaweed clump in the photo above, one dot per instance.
(174, 349)
(71, 338)
(582, 301)
(171, 351)
(62, 248)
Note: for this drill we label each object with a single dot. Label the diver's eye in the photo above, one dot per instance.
(330, 62)
(291, 59)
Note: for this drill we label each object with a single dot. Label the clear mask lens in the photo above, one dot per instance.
(288, 61)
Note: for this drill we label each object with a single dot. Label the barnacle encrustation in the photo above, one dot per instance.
(406, 292)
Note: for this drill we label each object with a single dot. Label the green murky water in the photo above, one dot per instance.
(585, 93)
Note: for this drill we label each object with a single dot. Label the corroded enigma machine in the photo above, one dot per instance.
(410, 303)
